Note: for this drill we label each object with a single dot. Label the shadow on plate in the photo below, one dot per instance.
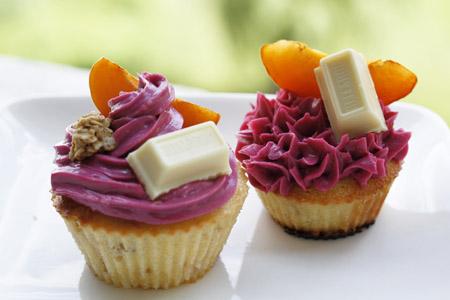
(390, 258)
(214, 285)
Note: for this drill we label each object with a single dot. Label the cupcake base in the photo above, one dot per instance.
(332, 235)
(344, 210)
(131, 254)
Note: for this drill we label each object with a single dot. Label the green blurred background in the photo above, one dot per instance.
(215, 44)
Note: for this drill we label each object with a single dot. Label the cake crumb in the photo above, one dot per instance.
(91, 134)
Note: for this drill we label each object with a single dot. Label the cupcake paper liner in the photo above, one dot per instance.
(339, 212)
(160, 259)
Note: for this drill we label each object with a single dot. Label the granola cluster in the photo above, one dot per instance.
(91, 134)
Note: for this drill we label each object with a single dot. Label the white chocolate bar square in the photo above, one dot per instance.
(168, 161)
(349, 94)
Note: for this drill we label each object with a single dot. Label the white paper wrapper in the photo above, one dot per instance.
(339, 212)
(157, 259)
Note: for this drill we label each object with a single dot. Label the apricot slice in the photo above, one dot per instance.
(194, 114)
(291, 65)
(106, 81)
(392, 80)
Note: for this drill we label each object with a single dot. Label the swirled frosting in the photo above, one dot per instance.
(287, 142)
(106, 183)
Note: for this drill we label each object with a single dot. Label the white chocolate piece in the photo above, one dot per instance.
(349, 94)
(168, 161)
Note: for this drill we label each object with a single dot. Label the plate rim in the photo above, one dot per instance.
(235, 97)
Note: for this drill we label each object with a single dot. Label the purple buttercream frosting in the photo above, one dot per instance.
(106, 183)
(288, 141)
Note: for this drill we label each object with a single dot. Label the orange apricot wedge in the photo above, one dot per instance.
(106, 81)
(291, 66)
(392, 80)
(194, 114)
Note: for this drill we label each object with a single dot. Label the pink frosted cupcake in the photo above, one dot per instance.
(324, 152)
(127, 239)
(312, 185)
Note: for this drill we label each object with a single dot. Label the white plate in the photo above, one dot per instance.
(405, 255)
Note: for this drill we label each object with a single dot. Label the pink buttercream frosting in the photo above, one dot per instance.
(106, 183)
(287, 141)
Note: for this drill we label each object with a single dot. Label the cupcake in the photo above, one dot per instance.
(128, 238)
(314, 183)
